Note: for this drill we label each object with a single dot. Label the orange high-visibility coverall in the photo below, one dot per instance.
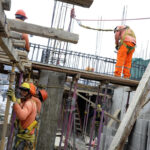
(126, 49)
(26, 111)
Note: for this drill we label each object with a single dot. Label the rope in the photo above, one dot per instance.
(72, 15)
(130, 19)
(91, 28)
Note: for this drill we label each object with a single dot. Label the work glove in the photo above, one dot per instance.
(10, 93)
(117, 47)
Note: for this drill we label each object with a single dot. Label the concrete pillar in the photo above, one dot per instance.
(138, 137)
(51, 108)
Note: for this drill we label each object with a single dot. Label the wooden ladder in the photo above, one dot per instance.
(77, 119)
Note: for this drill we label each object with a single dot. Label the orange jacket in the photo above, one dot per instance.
(124, 35)
(26, 111)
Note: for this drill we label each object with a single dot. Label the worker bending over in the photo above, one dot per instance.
(21, 16)
(26, 111)
(125, 41)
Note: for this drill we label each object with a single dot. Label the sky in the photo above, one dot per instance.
(40, 12)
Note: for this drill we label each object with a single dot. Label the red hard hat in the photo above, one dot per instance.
(21, 13)
(43, 94)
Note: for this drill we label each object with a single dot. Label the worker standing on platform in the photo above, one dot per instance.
(125, 41)
(26, 111)
(21, 15)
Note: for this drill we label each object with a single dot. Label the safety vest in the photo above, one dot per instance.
(128, 32)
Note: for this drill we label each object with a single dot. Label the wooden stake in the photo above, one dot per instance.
(12, 77)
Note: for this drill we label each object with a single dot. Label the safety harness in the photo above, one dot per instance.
(25, 135)
(130, 48)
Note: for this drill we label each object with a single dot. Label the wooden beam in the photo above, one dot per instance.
(7, 46)
(23, 54)
(53, 33)
(19, 43)
(5, 61)
(89, 92)
(132, 112)
(15, 35)
(117, 112)
(86, 74)
(82, 3)
(93, 105)
(6, 4)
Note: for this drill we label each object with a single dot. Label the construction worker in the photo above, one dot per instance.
(21, 16)
(26, 111)
(125, 41)
(42, 95)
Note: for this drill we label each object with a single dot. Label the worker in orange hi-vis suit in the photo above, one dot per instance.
(21, 16)
(27, 109)
(125, 41)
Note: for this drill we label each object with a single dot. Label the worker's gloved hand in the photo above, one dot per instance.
(10, 93)
(117, 47)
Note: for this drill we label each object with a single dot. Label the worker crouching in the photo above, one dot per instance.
(26, 111)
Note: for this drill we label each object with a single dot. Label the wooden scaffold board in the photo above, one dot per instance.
(82, 3)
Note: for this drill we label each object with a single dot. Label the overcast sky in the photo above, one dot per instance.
(40, 12)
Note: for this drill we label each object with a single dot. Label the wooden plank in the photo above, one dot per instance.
(6, 4)
(90, 93)
(132, 112)
(19, 43)
(86, 74)
(5, 61)
(22, 53)
(116, 113)
(82, 3)
(93, 105)
(4, 56)
(7, 46)
(53, 33)
(15, 35)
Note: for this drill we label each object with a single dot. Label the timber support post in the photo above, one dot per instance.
(11, 81)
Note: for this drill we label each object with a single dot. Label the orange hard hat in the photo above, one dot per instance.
(21, 13)
(43, 95)
(29, 86)
(32, 89)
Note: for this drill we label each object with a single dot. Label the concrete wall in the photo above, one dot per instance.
(119, 101)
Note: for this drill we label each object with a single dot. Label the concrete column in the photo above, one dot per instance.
(51, 108)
